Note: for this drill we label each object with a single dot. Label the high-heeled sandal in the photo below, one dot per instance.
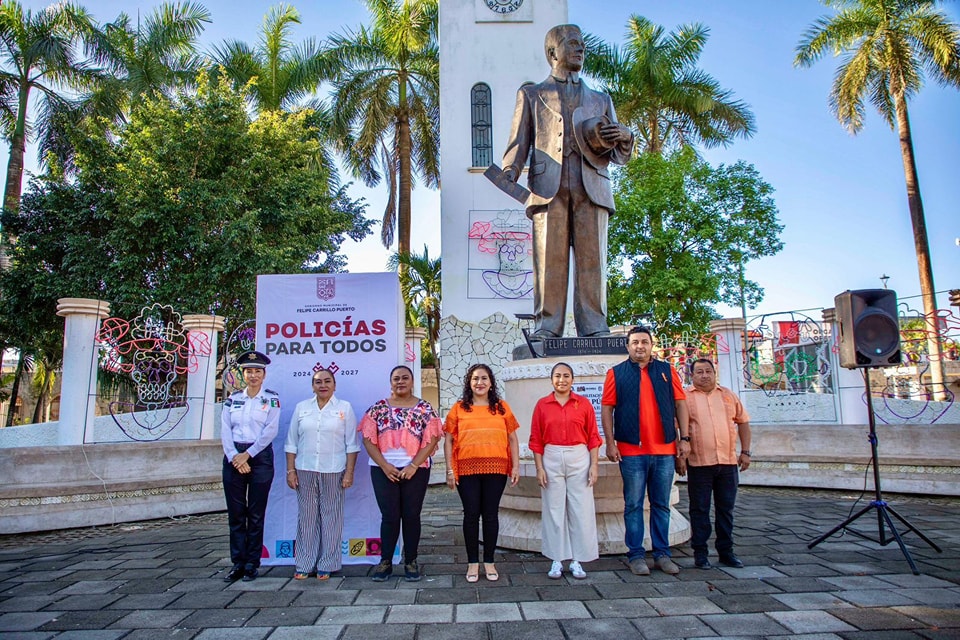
(491, 574)
(473, 572)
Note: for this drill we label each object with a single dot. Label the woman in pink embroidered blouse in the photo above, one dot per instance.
(400, 433)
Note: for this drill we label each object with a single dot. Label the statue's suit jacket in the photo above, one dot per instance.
(538, 123)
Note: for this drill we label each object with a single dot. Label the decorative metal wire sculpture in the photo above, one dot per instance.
(153, 350)
(682, 346)
(241, 340)
(788, 352)
(908, 394)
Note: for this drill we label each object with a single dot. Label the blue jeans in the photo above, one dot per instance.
(720, 482)
(653, 476)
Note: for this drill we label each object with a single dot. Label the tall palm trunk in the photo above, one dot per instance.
(46, 375)
(406, 182)
(40, 409)
(922, 247)
(655, 145)
(15, 389)
(11, 194)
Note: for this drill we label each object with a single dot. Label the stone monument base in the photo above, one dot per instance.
(524, 382)
(520, 513)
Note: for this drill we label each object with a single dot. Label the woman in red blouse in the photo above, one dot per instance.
(565, 443)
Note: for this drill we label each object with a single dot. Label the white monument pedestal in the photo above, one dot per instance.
(524, 382)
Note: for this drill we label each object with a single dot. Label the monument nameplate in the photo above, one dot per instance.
(595, 346)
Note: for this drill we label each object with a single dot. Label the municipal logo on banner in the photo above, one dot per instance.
(326, 288)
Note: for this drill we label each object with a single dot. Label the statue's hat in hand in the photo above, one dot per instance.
(594, 148)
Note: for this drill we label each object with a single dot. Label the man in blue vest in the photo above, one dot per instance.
(643, 409)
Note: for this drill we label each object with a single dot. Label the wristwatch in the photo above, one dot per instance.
(685, 438)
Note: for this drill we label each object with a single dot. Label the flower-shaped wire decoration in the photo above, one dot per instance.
(153, 350)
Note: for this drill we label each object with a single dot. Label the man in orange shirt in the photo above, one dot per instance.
(717, 419)
(642, 410)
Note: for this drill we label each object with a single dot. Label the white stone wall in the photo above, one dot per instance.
(490, 341)
(899, 411)
(789, 408)
(105, 430)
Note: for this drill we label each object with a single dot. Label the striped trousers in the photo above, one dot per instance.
(319, 521)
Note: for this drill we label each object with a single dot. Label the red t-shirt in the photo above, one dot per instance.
(651, 429)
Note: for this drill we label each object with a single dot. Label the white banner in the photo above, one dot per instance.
(351, 323)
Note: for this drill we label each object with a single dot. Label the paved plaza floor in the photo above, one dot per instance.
(162, 579)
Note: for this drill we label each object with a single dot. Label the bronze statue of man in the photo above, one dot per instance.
(574, 135)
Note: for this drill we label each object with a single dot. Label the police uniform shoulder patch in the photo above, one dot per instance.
(227, 402)
(275, 403)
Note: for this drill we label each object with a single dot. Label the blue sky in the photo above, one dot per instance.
(841, 198)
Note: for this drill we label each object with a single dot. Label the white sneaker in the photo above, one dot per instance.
(556, 570)
(577, 570)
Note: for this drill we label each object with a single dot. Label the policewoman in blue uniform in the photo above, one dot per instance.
(248, 425)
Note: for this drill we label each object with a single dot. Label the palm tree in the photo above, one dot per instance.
(135, 61)
(278, 75)
(420, 280)
(37, 52)
(386, 104)
(44, 379)
(660, 93)
(888, 46)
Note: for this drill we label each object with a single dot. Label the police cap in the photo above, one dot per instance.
(253, 359)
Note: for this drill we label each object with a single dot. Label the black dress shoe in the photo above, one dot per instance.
(250, 574)
(702, 562)
(731, 560)
(235, 574)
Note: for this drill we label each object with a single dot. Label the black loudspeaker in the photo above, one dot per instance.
(869, 328)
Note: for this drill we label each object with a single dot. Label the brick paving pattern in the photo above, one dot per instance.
(162, 579)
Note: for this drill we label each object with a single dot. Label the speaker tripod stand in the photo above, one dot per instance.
(884, 510)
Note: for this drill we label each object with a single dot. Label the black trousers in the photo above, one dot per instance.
(720, 482)
(246, 495)
(480, 495)
(400, 505)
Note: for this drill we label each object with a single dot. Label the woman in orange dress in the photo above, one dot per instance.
(482, 451)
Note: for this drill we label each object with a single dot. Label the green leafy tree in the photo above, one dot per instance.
(420, 285)
(386, 104)
(681, 233)
(185, 205)
(134, 60)
(888, 46)
(659, 91)
(37, 53)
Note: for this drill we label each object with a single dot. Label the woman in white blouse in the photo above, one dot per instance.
(321, 450)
